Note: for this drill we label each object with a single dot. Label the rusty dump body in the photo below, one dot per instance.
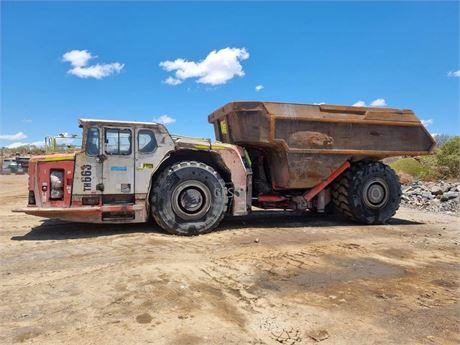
(303, 144)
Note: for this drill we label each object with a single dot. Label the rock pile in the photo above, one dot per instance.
(439, 196)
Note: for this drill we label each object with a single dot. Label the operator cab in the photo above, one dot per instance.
(118, 159)
(107, 181)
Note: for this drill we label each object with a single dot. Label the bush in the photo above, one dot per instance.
(429, 169)
(409, 166)
(444, 162)
(448, 158)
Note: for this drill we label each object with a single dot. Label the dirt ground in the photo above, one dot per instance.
(270, 278)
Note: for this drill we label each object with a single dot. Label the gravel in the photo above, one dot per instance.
(438, 196)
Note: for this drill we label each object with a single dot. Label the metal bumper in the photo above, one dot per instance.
(90, 214)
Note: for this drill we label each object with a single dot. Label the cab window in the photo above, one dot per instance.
(146, 142)
(92, 141)
(117, 141)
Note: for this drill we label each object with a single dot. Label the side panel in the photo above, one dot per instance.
(324, 136)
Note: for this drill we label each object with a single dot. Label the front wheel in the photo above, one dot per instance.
(368, 192)
(188, 198)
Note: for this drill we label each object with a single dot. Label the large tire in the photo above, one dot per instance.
(368, 192)
(188, 198)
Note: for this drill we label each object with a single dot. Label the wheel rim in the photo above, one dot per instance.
(191, 200)
(375, 193)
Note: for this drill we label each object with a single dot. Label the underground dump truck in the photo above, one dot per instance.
(267, 155)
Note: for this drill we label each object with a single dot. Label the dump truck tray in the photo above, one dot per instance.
(305, 143)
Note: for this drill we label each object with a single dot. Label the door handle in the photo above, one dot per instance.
(101, 158)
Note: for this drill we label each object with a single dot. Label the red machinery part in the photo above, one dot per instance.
(270, 198)
(320, 186)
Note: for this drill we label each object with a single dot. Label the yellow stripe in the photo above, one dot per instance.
(206, 147)
(62, 158)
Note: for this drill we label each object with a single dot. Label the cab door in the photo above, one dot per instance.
(152, 145)
(118, 165)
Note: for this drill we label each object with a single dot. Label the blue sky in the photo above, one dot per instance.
(398, 53)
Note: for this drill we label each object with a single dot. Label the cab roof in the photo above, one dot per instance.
(85, 122)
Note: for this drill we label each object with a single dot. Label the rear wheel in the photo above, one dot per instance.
(189, 198)
(368, 192)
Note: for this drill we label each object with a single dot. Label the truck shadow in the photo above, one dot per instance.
(52, 229)
(291, 219)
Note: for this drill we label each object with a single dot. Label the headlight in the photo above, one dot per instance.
(57, 184)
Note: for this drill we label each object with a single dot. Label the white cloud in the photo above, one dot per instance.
(259, 88)
(27, 120)
(216, 69)
(79, 60)
(12, 137)
(172, 81)
(379, 102)
(359, 104)
(426, 123)
(165, 119)
(97, 71)
(19, 144)
(454, 74)
(319, 103)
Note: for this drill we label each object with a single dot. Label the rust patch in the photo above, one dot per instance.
(309, 139)
(307, 170)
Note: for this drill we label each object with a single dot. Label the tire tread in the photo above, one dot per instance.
(162, 178)
(342, 193)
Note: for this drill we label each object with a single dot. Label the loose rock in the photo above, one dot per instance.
(438, 196)
(436, 190)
